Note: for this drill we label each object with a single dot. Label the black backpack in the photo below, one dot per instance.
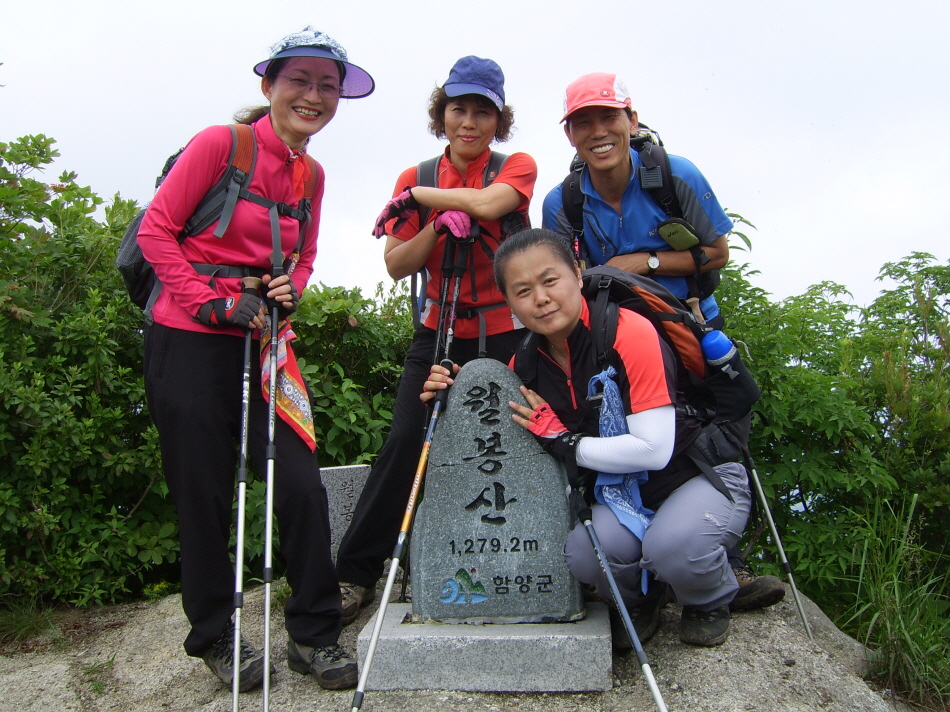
(427, 174)
(217, 204)
(656, 178)
(713, 422)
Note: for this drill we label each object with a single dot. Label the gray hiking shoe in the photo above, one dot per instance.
(220, 659)
(354, 598)
(644, 613)
(705, 628)
(331, 665)
(756, 591)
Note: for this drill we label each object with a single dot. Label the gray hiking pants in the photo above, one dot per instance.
(685, 546)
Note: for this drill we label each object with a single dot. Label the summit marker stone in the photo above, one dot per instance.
(487, 539)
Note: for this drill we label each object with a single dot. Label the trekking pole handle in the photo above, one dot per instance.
(442, 396)
(252, 285)
(474, 234)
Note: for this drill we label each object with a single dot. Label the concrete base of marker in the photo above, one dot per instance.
(524, 657)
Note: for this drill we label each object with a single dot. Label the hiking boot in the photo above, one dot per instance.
(706, 628)
(644, 613)
(219, 658)
(756, 591)
(331, 664)
(354, 598)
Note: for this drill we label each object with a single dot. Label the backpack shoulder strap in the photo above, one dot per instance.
(572, 201)
(310, 186)
(495, 163)
(222, 196)
(427, 174)
(604, 314)
(656, 177)
(526, 359)
(241, 167)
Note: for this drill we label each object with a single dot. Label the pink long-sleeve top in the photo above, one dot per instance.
(247, 241)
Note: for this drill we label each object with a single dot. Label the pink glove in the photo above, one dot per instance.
(545, 423)
(402, 207)
(455, 223)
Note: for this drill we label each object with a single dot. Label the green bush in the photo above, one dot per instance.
(81, 507)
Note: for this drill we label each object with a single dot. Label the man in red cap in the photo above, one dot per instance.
(615, 215)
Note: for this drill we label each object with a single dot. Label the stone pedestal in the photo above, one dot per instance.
(487, 539)
(543, 657)
(344, 485)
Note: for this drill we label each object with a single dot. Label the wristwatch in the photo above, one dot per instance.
(653, 263)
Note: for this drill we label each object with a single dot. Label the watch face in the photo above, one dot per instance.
(653, 262)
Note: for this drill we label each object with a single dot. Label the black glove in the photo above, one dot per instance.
(564, 448)
(233, 310)
(285, 309)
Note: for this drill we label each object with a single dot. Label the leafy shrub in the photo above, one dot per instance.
(81, 507)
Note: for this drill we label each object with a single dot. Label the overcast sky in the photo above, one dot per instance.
(824, 123)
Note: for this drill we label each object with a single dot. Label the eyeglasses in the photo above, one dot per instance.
(324, 89)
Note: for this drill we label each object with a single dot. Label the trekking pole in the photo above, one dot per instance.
(252, 285)
(786, 567)
(585, 517)
(400, 548)
(269, 506)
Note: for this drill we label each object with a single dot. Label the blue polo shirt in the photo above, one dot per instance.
(608, 233)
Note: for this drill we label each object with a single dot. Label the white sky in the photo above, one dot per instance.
(824, 123)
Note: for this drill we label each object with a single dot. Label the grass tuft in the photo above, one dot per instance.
(901, 607)
(21, 620)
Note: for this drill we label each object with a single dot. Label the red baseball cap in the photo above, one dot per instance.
(597, 89)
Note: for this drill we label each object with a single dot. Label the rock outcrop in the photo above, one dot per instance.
(136, 662)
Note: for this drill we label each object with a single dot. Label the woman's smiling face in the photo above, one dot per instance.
(470, 125)
(543, 292)
(303, 98)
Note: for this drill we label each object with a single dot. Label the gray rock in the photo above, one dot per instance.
(151, 673)
(344, 485)
(487, 539)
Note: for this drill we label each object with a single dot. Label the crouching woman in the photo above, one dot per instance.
(663, 524)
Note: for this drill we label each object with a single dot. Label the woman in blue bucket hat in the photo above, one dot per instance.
(435, 205)
(194, 355)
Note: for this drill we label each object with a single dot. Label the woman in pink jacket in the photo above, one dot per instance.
(194, 355)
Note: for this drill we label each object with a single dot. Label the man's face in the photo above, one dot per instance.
(601, 136)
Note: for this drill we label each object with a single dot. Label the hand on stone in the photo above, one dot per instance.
(523, 415)
(439, 380)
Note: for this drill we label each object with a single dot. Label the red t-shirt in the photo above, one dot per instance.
(520, 172)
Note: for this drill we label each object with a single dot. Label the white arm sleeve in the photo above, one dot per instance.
(648, 445)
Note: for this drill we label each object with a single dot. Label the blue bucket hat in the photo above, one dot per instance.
(310, 43)
(474, 75)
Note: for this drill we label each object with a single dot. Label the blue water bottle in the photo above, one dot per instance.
(719, 351)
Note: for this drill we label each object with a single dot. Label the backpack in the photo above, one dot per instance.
(656, 178)
(217, 204)
(719, 398)
(427, 174)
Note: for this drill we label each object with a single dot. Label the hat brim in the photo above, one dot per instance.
(609, 103)
(454, 90)
(357, 83)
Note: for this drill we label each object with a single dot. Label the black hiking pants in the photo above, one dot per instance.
(372, 534)
(193, 385)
